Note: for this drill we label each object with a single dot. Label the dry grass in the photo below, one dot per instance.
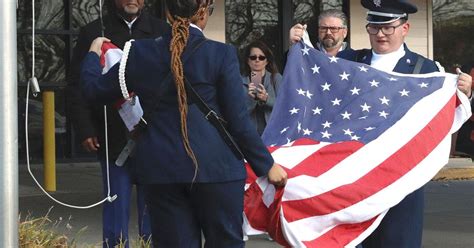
(139, 242)
(44, 233)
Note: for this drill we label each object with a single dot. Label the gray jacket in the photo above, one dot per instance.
(254, 105)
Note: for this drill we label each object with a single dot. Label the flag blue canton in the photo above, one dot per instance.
(329, 99)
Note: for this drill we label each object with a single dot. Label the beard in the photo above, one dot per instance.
(329, 42)
(131, 10)
(128, 12)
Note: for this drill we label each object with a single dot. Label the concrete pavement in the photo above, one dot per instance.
(449, 213)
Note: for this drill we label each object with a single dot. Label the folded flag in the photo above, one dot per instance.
(354, 141)
(110, 56)
(129, 108)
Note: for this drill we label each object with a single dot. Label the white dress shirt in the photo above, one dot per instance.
(387, 62)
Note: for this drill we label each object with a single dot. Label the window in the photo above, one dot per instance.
(248, 20)
(57, 27)
(453, 32)
(308, 11)
(270, 21)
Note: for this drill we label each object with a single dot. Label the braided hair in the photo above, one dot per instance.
(180, 14)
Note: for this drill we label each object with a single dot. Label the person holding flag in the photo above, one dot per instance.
(388, 27)
(332, 31)
(358, 142)
(195, 129)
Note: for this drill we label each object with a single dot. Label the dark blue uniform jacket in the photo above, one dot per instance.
(213, 70)
(405, 65)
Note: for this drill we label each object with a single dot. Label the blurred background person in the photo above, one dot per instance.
(125, 20)
(465, 135)
(261, 80)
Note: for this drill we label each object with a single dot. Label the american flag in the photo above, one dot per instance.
(354, 141)
(129, 110)
(110, 56)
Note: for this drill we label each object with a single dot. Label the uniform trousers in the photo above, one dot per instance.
(402, 226)
(181, 212)
(115, 215)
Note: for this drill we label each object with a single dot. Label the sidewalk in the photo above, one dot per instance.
(449, 213)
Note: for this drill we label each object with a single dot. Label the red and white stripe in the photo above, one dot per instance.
(111, 55)
(337, 194)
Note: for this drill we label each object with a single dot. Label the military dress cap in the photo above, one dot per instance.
(388, 11)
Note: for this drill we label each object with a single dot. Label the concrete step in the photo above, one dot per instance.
(456, 169)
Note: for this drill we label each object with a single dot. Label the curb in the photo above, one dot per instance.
(456, 169)
(454, 174)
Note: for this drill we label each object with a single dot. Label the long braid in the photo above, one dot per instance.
(180, 34)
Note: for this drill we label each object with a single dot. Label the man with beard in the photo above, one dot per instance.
(125, 20)
(332, 30)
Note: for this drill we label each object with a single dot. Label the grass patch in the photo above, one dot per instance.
(43, 232)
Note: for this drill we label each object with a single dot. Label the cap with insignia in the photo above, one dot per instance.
(387, 11)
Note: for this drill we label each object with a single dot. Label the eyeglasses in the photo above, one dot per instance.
(255, 57)
(333, 30)
(386, 30)
(210, 8)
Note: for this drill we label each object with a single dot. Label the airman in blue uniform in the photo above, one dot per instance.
(193, 180)
(387, 26)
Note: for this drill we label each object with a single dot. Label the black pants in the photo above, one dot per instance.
(402, 227)
(180, 212)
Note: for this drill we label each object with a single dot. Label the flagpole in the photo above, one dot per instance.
(8, 126)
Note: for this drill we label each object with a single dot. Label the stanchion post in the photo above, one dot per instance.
(49, 141)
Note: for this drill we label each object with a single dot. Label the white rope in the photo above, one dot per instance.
(108, 197)
(33, 57)
(107, 164)
(122, 66)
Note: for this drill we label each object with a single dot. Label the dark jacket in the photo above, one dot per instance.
(213, 70)
(87, 118)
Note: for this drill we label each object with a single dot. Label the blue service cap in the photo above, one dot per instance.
(387, 11)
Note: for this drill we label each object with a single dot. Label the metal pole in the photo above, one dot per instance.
(49, 143)
(286, 17)
(8, 126)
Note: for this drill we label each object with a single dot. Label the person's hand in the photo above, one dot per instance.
(91, 144)
(464, 82)
(296, 33)
(252, 90)
(262, 94)
(97, 45)
(277, 175)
